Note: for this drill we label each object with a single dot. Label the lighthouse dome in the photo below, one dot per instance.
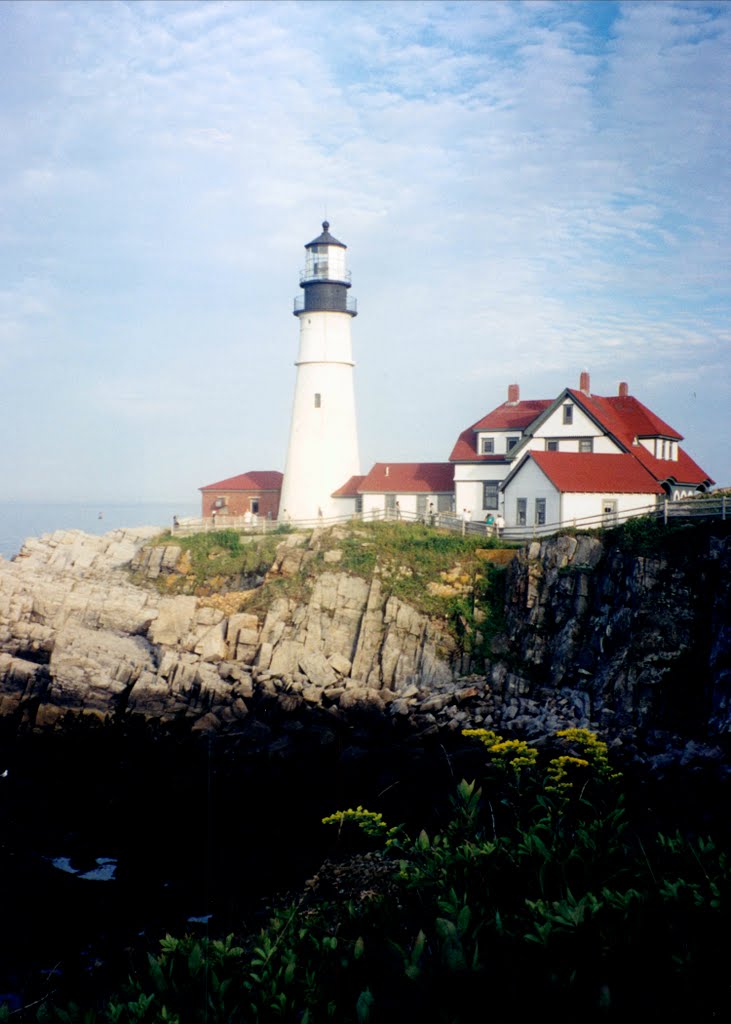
(325, 238)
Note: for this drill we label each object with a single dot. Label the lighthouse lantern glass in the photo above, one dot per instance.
(317, 261)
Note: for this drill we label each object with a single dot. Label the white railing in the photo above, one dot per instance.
(707, 507)
(702, 507)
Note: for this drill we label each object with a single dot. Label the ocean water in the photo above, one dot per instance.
(19, 519)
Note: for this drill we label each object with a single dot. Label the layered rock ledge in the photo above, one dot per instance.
(594, 636)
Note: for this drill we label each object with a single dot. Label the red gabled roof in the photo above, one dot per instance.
(255, 480)
(584, 472)
(513, 415)
(508, 416)
(409, 478)
(349, 489)
(627, 418)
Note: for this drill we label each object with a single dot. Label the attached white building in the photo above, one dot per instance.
(549, 487)
(412, 490)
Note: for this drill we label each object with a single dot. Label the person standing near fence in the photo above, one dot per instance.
(499, 525)
(466, 516)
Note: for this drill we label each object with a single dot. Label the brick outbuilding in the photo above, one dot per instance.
(256, 492)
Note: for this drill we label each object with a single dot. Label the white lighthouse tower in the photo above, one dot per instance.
(323, 438)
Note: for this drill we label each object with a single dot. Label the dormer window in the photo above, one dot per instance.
(568, 414)
(511, 443)
(487, 446)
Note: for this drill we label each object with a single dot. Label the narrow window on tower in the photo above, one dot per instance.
(318, 401)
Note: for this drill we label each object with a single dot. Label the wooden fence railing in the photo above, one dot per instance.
(706, 507)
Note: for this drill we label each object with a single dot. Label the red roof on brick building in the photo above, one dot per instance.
(409, 478)
(255, 480)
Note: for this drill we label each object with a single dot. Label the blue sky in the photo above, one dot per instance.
(526, 190)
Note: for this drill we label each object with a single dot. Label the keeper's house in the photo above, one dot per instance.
(576, 457)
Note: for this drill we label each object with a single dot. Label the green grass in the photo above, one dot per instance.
(223, 554)
(407, 557)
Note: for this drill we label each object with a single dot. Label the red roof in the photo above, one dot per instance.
(513, 415)
(508, 416)
(349, 489)
(622, 416)
(586, 472)
(255, 480)
(627, 418)
(409, 478)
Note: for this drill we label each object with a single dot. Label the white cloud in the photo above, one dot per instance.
(519, 194)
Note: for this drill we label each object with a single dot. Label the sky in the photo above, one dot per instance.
(527, 190)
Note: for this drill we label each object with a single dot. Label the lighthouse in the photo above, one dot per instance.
(323, 437)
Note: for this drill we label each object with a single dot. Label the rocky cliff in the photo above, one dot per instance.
(595, 635)
(646, 638)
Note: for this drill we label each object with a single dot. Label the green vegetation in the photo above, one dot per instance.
(536, 895)
(650, 536)
(645, 535)
(437, 572)
(409, 556)
(217, 560)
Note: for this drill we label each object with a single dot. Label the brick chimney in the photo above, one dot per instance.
(513, 394)
(584, 383)
(623, 389)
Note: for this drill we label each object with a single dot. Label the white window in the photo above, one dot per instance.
(511, 443)
(568, 414)
(540, 511)
(551, 444)
(219, 503)
(586, 444)
(521, 510)
(487, 445)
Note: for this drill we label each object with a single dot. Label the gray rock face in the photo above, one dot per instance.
(77, 636)
(644, 639)
(594, 638)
